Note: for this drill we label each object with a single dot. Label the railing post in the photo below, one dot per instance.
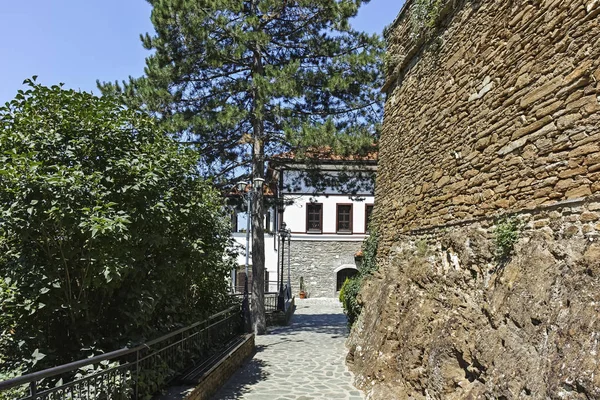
(280, 296)
(33, 389)
(246, 308)
(137, 375)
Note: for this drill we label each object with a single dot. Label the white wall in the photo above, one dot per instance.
(242, 221)
(270, 256)
(295, 215)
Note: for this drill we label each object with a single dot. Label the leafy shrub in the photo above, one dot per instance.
(108, 235)
(351, 287)
(506, 235)
(422, 247)
(369, 264)
(348, 297)
(424, 14)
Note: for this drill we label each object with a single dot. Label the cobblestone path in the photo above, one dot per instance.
(303, 361)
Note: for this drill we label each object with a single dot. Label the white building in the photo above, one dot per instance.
(327, 224)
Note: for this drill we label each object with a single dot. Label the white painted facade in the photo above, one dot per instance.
(270, 255)
(294, 214)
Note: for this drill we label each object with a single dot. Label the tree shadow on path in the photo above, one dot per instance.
(329, 324)
(241, 382)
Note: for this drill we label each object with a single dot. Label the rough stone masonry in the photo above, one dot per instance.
(495, 110)
(498, 111)
(317, 260)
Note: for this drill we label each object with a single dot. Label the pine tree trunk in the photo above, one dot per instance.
(258, 243)
(259, 322)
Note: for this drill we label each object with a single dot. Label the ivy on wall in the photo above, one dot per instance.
(349, 292)
(424, 15)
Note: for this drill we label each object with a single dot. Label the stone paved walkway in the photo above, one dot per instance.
(303, 361)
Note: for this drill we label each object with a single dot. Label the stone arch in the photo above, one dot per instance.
(342, 272)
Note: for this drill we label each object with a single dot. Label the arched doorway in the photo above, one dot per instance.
(342, 273)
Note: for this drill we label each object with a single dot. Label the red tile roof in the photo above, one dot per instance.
(325, 154)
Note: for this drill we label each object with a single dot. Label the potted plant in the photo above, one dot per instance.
(358, 258)
(302, 288)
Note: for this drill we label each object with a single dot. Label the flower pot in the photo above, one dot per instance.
(302, 294)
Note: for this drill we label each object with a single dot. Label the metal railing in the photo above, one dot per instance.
(132, 373)
(270, 300)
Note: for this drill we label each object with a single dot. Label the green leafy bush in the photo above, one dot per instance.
(369, 263)
(351, 287)
(424, 15)
(506, 235)
(348, 297)
(108, 235)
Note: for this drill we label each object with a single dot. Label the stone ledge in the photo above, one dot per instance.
(491, 217)
(215, 377)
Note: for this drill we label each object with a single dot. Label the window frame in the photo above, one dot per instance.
(234, 222)
(314, 231)
(367, 215)
(337, 218)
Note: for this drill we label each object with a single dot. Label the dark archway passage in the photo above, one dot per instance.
(342, 275)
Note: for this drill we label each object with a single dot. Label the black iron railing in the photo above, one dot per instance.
(271, 302)
(132, 373)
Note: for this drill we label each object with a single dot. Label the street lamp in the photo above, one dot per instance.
(283, 234)
(257, 184)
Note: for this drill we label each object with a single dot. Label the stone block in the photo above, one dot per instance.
(571, 231)
(588, 217)
(443, 181)
(582, 70)
(567, 121)
(572, 172)
(585, 229)
(534, 127)
(541, 92)
(550, 109)
(582, 102)
(578, 192)
(584, 150)
(565, 184)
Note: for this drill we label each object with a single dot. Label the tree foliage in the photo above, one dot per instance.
(245, 80)
(107, 233)
(295, 67)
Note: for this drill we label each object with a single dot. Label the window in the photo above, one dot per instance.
(368, 212)
(234, 221)
(344, 218)
(268, 222)
(314, 218)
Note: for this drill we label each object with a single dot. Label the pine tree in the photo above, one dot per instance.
(243, 80)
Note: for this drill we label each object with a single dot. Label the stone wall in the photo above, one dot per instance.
(317, 261)
(444, 319)
(497, 109)
(493, 111)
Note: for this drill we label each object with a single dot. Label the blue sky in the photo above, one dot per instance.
(79, 41)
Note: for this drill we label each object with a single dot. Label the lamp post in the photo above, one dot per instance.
(283, 234)
(257, 184)
(289, 283)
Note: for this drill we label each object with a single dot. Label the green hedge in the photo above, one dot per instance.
(351, 288)
(108, 233)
